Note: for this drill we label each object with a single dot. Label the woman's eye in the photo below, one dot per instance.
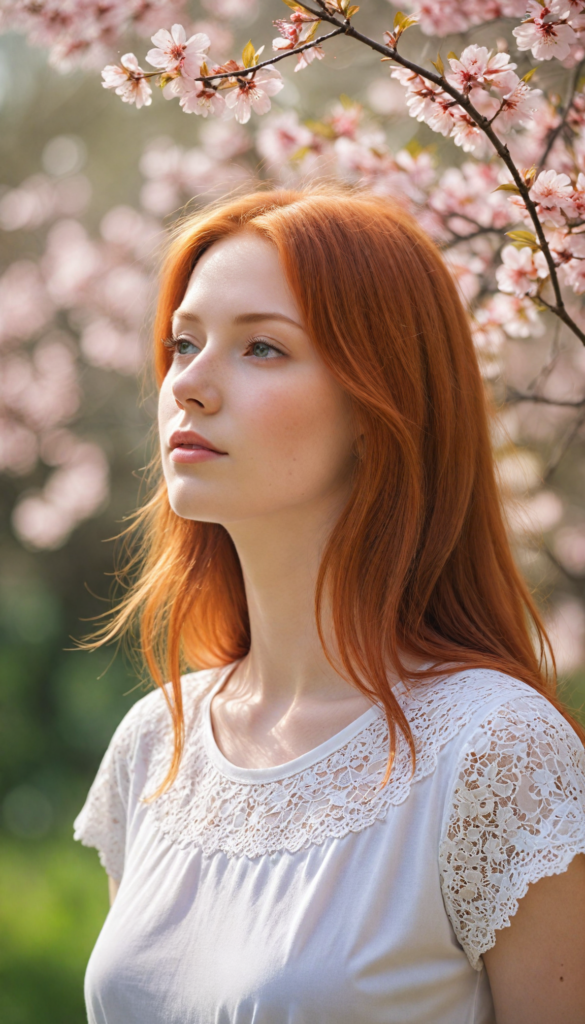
(263, 350)
(184, 347)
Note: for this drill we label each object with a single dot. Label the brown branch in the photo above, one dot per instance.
(457, 239)
(563, 447)
(513, 396)
(554, 134)
(240, 73)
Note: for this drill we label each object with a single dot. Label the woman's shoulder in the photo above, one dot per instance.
(149, 719)
(478, 705)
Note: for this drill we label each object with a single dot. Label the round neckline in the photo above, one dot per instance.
(280, 771)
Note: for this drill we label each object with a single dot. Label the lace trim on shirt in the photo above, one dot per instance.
(331, 798)
(518, 815)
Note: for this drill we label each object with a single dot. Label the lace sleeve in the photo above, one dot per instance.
(517, 814)
(101, 822)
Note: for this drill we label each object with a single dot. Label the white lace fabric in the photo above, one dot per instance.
(516, 811)
(518, 814)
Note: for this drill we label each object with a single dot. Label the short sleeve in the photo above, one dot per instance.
(101, 822)
(516, 814)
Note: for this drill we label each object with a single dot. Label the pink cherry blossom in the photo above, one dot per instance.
(552, 194)
(128, 81)
(468, 135)
(544, 36)
(195, 97)
(173, 52)
(518, 107)
(518, 273)
(478, 66)
(308, 56)
(254, 93)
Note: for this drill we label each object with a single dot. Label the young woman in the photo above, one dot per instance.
(366, 805)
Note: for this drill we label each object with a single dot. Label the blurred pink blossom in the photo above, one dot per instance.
(569, 547)
(72, 493)
(566, 627)
(25, 306)
(18, 447)
(110, 348)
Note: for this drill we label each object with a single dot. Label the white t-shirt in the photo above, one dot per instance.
(305, 893)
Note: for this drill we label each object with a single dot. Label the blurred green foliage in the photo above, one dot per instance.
(52, 903)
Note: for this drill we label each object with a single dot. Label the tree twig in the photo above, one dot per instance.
(563, 446)
(240, 73)
(554, 134)
(513, 397)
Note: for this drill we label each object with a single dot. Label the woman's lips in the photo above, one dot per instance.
(193, 453)
(189, 446)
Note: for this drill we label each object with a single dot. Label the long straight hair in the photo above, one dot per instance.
(419, 561)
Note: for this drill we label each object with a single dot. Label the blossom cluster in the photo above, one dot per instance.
(83, 304)
(88, 32)
(181, 65)
(489, 81)
(551, 28)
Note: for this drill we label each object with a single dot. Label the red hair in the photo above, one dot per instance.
(419, 561)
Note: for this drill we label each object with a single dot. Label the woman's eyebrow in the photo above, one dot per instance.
(243, 318)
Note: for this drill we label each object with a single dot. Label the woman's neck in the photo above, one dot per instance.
(280, 558)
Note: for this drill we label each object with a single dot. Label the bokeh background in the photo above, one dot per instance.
(87, 187)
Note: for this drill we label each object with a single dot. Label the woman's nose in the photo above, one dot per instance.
(197, 386)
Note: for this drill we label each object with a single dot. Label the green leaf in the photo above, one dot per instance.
(312, 32)
(529, 74)
(291, 4)
(521, 239)
(351, 11)
(508, 186)
(299, 154)
(319, 128)
(248, 54)
(399, 17)
(452, 56)
(438, 64)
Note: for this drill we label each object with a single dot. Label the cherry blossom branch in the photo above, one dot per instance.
(391, 53)
(266, 63)
(564, 446)
(514, 396)
(478, 233)
(554, 134)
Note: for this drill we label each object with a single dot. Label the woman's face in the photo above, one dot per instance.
(246, 380)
